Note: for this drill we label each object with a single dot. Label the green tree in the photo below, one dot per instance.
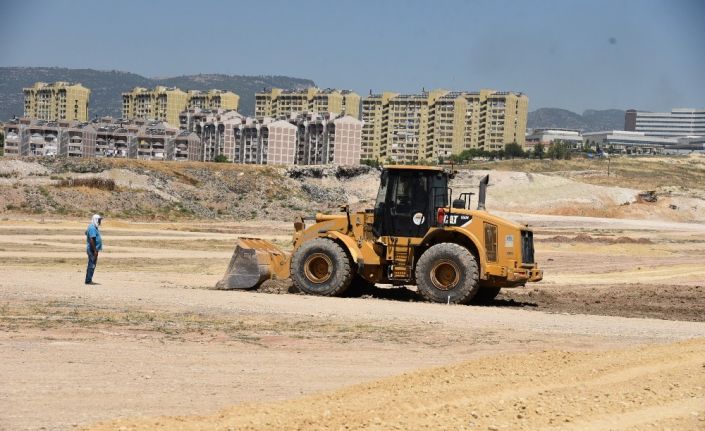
(220, 158)
(558, 150)
(370, 162)
(539, 150)
(2, 144)
(513, 150)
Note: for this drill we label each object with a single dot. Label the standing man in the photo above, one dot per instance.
(93, 245)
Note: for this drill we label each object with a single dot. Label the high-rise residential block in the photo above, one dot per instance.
(57, 101)
(436, 124)
(160, 103)
(213, 99)
(165, 104)
(678, 122)
(375, 115)
(278, 103)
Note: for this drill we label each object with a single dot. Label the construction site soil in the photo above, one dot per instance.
(612, 338)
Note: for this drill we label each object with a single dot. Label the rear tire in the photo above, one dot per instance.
(321, 267)
(447, 272)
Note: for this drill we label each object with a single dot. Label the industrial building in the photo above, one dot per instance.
(628, 142)
(546, 137)
(278, 103)
(408, 128)
(166, 103)
(678, 122)
(57, 101)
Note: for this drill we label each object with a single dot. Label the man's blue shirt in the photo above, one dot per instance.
(93, 232)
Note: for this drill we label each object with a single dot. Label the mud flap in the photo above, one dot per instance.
(254, 261)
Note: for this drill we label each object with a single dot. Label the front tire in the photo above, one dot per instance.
(321, 267)
(447, 272)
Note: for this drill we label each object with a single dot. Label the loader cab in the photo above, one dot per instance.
(407, 200)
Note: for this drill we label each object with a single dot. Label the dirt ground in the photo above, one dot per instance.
(613, 338)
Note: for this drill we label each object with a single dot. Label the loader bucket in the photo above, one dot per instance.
(254, 261)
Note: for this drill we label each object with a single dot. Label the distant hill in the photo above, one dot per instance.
(107, 86)
(591, 120)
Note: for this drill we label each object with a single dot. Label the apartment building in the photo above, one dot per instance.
(187, 147)
(215, 128)
(158, 104)
(78, 140)
(57, 101)
(33, 137)
(213, 99)
(278, 103)
(268, 142)
(166, 104)
(116, 138)
(322, 139)
(678, 122)
(16, 137)
(155, 141)
(375, 116)
(407, 128)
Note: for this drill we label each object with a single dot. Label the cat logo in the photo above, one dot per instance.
(456, 219)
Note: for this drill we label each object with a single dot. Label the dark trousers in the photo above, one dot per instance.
(92, 262)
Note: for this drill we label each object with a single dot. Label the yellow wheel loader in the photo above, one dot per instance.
(417, 234)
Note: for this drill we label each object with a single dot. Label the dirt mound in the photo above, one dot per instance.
(194, 190)
(13, 168)
(339, 172)
(656, 301)
(543, 193)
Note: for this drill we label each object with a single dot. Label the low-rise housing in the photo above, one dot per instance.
(34, 137)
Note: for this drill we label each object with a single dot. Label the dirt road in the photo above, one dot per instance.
(150, 340)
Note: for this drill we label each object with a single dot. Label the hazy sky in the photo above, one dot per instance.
(577, 55)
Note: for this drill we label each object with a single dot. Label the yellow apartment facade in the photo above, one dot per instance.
(213, 99)
(57, 101)
(166, 103)
(278, 103)
(439, 123)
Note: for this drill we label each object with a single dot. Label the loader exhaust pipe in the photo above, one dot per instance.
(483, 192)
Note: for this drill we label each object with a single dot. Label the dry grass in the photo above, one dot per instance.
(184, 325)
(645, 173)
(93, 182)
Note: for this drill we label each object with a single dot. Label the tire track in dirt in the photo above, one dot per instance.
(623, 389)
